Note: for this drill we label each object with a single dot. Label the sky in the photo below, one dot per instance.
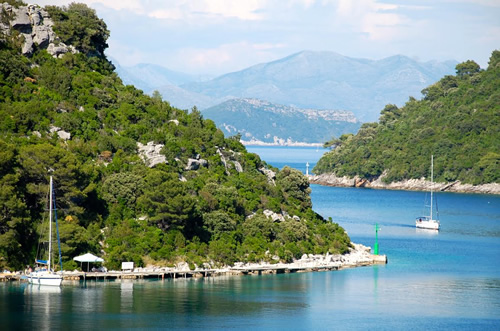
(214, 37)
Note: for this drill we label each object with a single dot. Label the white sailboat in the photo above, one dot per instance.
(427, 222)
(46, 275)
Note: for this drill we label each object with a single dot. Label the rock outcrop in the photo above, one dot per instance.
(35, 28)
(271, 175)
(61, 133)
(275, 217)
(150, 154)
(195, 164)
(228, 158)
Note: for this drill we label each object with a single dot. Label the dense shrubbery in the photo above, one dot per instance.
(457, 120)
(108, 199)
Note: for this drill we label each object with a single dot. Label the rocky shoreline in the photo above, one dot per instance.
(358, 256)
(410, 184)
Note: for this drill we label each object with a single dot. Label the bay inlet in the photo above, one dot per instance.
(433, 281)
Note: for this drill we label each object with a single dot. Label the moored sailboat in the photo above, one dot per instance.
(427, 222)
(45, 275)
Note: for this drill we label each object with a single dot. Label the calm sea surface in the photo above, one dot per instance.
(433, 281)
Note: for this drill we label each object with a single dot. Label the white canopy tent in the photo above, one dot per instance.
(88, 258)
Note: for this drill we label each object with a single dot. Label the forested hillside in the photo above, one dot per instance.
(201, 201)
(457, 120)
(262, 121)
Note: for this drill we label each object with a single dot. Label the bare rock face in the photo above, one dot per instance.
(35, 27)
(150, 154)
(274, 216)
(194, 164)
(61, 133)
(238, 166)
(228, 158)
(271, 175)
(22, 19)
(42, 35)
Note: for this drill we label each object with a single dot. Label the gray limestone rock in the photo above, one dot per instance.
(41, 35)
(271, 175)
(35, 17)
(61, 133)
(22, 19)
(150, 154)
(28, 44)
(35, 26)
(60, 50)
(238, 166)
(194, 164)
(64, 135)
(273, 216)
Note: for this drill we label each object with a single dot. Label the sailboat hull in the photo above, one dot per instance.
(427, 224)
(45, 278)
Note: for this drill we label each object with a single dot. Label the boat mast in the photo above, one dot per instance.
(50, 223)
(432, 179)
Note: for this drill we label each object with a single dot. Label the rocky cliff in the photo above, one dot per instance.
(33, 26)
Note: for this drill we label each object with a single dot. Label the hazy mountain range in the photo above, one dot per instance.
(280, 101)
(315, 80)
(261, 121)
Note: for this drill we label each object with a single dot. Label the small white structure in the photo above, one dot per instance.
(88, 258)
(128, 266)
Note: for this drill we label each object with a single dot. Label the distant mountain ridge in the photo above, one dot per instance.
(150, 77)
(263, 122)
(314, 80)
(326, 80)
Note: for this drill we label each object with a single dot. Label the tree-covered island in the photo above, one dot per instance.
(457, 120)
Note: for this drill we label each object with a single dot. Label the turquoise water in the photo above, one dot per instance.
(295, 157)
(433, 281)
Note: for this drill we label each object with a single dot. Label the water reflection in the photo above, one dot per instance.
(426, 232)
(43, 303)
(127, 295)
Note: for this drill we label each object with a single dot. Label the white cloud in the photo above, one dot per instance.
(193, 9)
(487, 3)
(224, 58)
(181, 9)
(376, 20)
(132, 5)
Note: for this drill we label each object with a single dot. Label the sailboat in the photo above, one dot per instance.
(427, 222)
(46, 275)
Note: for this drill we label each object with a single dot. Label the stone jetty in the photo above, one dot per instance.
(358, 256)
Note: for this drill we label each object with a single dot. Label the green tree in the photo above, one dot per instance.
(467, 68)
(123, 187)
(78, 25)
(295, 186)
